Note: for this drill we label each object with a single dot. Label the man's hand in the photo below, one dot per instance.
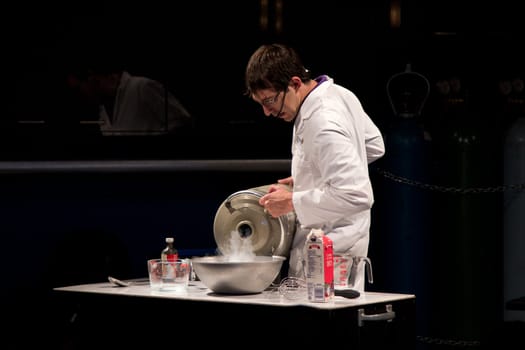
(278, 200)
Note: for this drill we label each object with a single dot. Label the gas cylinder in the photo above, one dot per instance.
(404, 209)
(514, 201)
(466, 221)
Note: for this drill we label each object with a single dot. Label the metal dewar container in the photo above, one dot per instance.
(241, 218)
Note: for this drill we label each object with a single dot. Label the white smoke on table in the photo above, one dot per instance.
(241, 249)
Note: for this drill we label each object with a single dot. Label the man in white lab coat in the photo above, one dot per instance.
(334, 140)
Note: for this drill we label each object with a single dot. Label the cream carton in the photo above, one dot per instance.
(319, 266)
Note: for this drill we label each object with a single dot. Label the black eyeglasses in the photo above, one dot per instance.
(270, 101)
(282, 104)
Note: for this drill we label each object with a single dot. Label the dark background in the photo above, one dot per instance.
(439, 222)
(199, 52)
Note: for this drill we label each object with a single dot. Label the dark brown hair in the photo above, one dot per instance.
(272, 66)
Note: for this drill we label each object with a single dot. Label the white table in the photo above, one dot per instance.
(373, 317)
(198, 292)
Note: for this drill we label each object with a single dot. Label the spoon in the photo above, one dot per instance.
(118, 283)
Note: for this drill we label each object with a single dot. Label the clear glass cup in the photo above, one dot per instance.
(346, 271)
(169, 276)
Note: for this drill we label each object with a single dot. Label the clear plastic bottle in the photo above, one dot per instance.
(170, 253)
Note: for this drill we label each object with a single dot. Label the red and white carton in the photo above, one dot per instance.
(319, 266)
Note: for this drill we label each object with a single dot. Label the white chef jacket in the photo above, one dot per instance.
(142, 107)
(334, 140)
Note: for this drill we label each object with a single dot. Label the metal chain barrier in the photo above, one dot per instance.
(457, 190)
(458, 343)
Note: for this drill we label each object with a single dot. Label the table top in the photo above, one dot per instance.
(196, 291)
